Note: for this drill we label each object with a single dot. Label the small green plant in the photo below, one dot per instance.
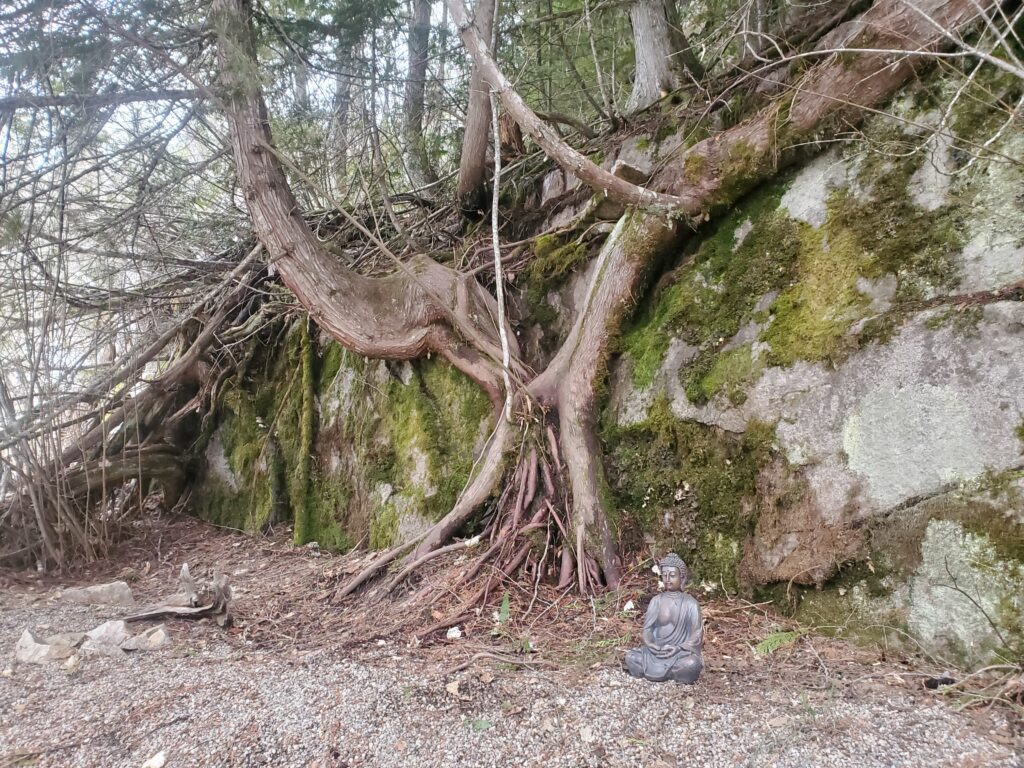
(777, 640)
(501, 617)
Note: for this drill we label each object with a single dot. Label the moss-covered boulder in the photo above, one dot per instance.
(833, 318)
(344, 449)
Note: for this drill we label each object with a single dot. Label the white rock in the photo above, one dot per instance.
(454, 633)
(150, 640)
(159, 760)
(31, 650)
(109, 633)
(114, 593)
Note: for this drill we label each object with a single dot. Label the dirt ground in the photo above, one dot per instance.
(302, 679)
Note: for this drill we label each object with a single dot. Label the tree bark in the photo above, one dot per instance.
(661, 52)
(472, 184)
(423, 307)
(633, 245)
(830, 97)
(344, 61)
(300, 80)
(421, 172)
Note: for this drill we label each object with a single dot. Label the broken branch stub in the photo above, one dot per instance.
(213, 602)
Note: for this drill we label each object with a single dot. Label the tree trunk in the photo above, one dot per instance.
(422, 307)
(421, 172)
(661, 51)
(344, 61)
(300, 79)
(635, 243)
(547, 138)
(472, 185)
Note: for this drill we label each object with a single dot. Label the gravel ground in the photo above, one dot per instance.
(213, 699)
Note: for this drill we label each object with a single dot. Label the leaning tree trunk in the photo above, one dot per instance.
(661, 52)
(421, 172)
(422, 307)
(472, 184)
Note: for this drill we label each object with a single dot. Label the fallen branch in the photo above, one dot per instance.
(213, 602)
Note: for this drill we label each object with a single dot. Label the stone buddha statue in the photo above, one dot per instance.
(673, 633)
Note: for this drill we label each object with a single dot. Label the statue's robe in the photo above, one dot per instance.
(673, 638)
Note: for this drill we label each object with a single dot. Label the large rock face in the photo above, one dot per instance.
(858, 330)
(820, 402)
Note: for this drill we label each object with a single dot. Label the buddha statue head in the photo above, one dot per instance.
(674, 573)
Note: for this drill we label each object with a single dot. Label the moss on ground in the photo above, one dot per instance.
(689, 487)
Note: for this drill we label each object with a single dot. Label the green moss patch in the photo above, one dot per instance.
(554, 259)
(280, 464)
(419, 440)
(713, 294)
(687, 487)
(812, 315)
(729, 373)
(898, 237)
(984, 104)
(963, 320)
(259, 430)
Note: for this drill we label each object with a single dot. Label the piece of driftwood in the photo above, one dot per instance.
(190, 602)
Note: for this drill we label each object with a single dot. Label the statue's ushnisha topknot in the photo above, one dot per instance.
(672, 560)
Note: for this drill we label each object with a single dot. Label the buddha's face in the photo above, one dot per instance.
(672, 579)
